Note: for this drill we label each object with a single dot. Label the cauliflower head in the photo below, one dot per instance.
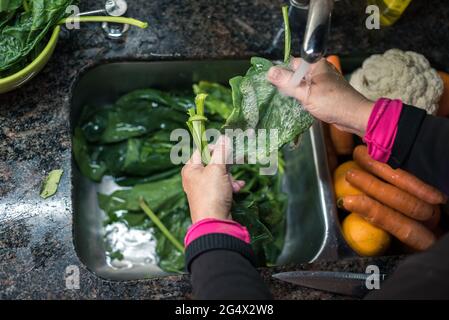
(398, 74)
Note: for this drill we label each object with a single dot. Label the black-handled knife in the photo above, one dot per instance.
(345, 283)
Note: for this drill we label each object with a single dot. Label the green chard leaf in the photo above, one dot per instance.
(50, 184)
(259, 105)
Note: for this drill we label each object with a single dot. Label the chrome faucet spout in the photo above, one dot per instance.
(317, 29)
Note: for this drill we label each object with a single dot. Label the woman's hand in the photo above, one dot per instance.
(326, 95)
(209, 188)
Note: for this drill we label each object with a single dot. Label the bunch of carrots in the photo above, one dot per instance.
(343, 142)
(393, 200)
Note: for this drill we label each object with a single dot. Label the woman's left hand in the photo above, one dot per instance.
(209, 188)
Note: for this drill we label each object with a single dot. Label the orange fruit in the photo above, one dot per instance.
(444, 99)
(341, 186)
(364, 238)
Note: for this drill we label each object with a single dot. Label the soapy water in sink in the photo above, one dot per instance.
(138, 247)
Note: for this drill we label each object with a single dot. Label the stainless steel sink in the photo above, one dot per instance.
(313, 230)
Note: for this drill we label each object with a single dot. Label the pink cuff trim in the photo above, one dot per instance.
(212, 225)
(382, 128)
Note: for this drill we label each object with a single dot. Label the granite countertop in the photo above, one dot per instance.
(36, 236)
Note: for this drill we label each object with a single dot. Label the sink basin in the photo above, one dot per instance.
(313, 231)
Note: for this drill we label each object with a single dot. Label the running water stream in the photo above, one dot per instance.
(300, 73)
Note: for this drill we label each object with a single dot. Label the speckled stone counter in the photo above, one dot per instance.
(36, 239)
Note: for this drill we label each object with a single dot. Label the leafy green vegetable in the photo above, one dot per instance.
(129, 141)
(130, 138)
(131, 181)
(169, 206)
(162, 196)
(116, 255)
(9, 5)
(86, 158)
(197, 127)
(50, 184)
(113, 19)
(287, 34)
(135, 157)
(137, 113)
(22, 31)
(260, 206)
(161, 226)
(177, 221)
(219, 99)
(259, 105)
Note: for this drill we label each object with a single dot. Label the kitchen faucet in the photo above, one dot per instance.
(314, 42)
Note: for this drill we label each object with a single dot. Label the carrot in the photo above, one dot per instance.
(332, 160)
(434, 220)
(443, 110)
(390, 195)
(398, 177)
(408, 231)
(335, 61)
(343, 141)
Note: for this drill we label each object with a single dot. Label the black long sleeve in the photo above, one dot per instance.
(225, 274)
(421, 147)
(222, 268)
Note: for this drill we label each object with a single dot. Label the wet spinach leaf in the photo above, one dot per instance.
(137, 113)
(136, 157)
(257, 104)
(9, 5)
(162, 196)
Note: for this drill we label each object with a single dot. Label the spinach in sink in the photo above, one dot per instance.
(129, 141)
(139, 159)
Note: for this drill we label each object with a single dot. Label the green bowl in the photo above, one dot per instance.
(20, 77)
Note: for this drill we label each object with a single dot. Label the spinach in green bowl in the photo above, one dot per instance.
(24, 28)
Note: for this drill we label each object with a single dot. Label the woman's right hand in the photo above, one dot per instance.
(326, 95)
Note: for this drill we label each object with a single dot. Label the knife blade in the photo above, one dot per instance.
(345, 283)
